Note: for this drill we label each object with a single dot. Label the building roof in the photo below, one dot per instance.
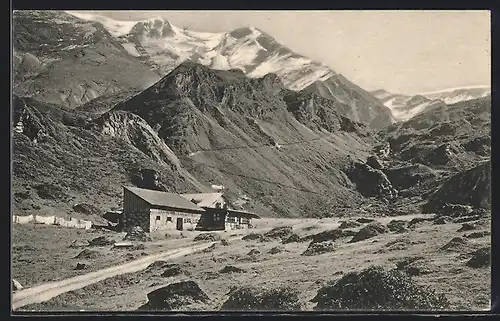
(164, 199)
(203, 199)
(232, 212)
(243, 214)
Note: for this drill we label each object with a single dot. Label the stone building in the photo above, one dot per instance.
(155, 210)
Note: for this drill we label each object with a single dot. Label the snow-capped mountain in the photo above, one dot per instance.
(404, 107)
(71, 58)
(164, 46)
(454, 95)
(248, 49)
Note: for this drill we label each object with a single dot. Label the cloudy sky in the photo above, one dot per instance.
(400, 51)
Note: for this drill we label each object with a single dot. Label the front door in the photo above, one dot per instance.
(179, 223)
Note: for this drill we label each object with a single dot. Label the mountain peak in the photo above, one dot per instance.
(243, 32)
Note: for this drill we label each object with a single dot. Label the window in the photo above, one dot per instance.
(169, 219)
(158, 217)
(187, 220)
(216, 217)
(245, 220)
(231, 219)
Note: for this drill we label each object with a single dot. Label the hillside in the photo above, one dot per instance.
(245, 132)
(63, 60)
(80, 165)
(364, 107)
(447, 139)
(278, 152)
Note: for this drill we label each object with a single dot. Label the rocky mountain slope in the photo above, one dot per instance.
(80, 165)
(277, 151)
(364, 107)
(282, 152)
(63, 60)
(163, 46)
(472, 187)
(404, 107)
(445, 136)
(248, 133)
(438, 147)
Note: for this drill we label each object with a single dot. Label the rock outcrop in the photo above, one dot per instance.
(472, 187)
(371, 182)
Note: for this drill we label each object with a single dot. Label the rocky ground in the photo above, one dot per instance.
(305, 254)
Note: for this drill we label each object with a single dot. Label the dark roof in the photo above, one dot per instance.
(243, 214)
(164, 199)
(232, 212)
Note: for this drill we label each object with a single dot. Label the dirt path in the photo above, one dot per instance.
(49, 290)
(46, 291)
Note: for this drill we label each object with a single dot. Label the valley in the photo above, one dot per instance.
(379, 191)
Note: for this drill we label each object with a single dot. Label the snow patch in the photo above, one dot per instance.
(117, 28)
(449, 90)
(130, 47)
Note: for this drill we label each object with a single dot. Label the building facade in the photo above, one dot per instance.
(161, 211)
(155, 210)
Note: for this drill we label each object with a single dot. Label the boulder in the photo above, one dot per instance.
(481, 258)
(462, 192)
(86, 209)
(476, 235)
(376, 288)
(172, 270)
(137, 234)
(349, 224)
(371, 182)
(253, 252)
(231, 269)
(440, 220)
(293, 238)
(281, 232)
(374, 162)
(175, 296)
(413, 266)
(257, 299)
(458, 244)
(101, 241)
(212, 237)
(87, 254)
(369, 231)
(276, 250)
(330, 235)
(252, 237)
(397, 226)
(469, 218)
(466, 227)
(316, 248)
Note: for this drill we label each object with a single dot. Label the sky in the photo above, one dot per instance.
(406, 52)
